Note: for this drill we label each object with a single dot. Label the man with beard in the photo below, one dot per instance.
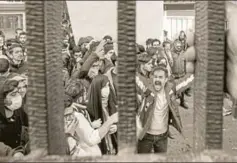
(156, 117)
(179, 68)
(16, 58)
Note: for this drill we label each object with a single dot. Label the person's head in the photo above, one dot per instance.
(65, 24)
(22, 37)
(94, 69)
(108, 39)
(141, 48)
(149, 42)
(177, 45)
(167, 45)
(109, 50)
(145, 62)
(159, 78)
(18, 31)
(2, 39)
(82, 43)
(11, 96)
(182, 35)
(22, 83)
(4, 67)
(153, 52)
(77, 53)
(75, 89)
(156, 43)
(16, 53)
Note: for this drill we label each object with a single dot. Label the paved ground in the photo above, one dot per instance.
(178, 145)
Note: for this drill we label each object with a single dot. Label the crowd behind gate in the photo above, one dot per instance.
(90, 82)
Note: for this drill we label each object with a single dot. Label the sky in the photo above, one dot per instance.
(99, 18)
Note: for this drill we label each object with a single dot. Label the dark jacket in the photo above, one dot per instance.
(174, 117)
(13, 131)
(179, 64)
(21, 68)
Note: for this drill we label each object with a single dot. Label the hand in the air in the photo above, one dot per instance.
(100, 49)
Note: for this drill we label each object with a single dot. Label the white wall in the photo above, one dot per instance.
(99, 18)
(149, 20)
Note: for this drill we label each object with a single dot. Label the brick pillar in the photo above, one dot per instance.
(126, 76)
(208, 93)
(45, 91)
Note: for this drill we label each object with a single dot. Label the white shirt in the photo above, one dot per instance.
(159, 122)
(87, 138)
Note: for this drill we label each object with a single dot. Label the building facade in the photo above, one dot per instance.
(12, 16)
(178, 15)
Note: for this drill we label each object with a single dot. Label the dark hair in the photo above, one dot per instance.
(14, 45)
(165, 43)
(114, 58)
(65, 21)
(107, 37)
(160, 68)
(2, 34)
(4, 65)
(9, 86)
(76, 49)
(22, 33)
(10, 42)
(156, 40)
(184, 34)
(149, 41)
(141, 48)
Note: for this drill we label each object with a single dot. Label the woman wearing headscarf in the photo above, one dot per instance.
(83, 135)
(13, 120)
(98, 108)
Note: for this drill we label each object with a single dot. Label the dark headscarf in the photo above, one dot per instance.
(94, 106)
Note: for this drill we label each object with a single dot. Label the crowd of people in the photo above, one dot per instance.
(90, 82)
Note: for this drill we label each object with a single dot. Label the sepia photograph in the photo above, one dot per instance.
(127, 81)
